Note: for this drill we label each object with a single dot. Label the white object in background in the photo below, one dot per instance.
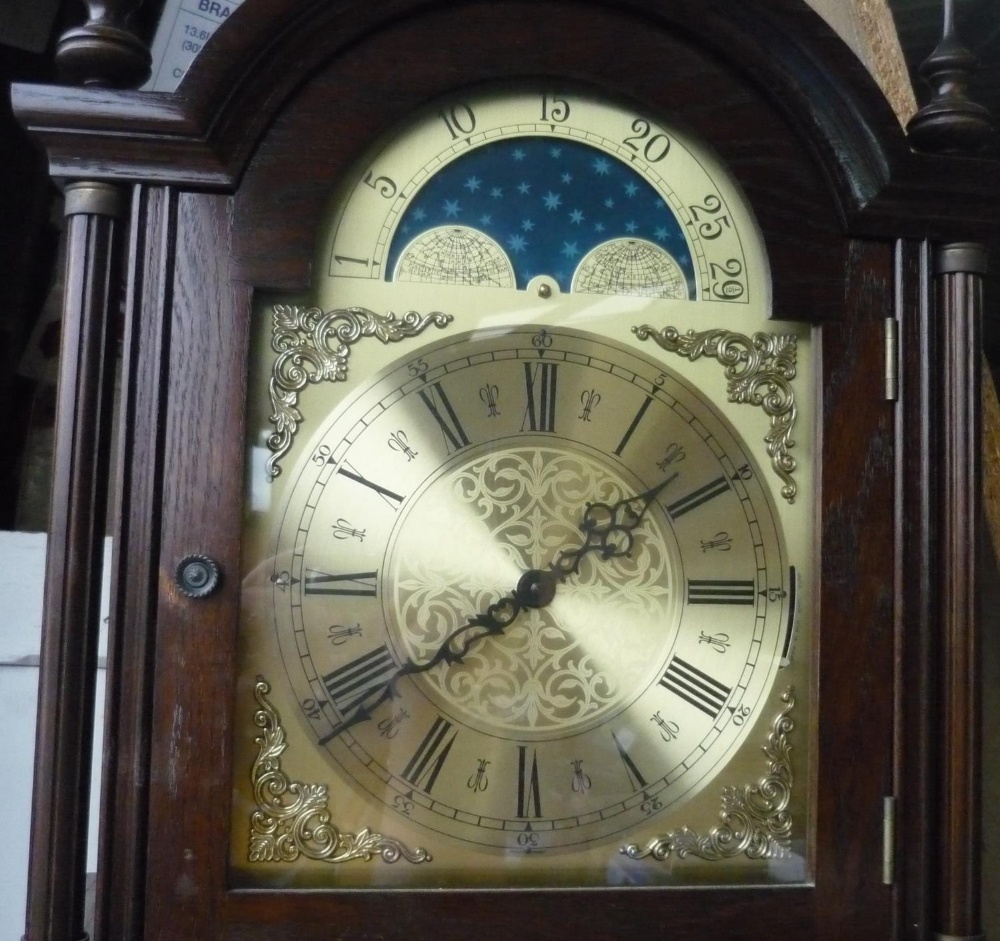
(184, 28)
(22, 575)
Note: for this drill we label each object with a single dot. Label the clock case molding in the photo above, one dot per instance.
(227, 180)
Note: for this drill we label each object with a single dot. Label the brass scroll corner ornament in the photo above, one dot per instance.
(759, 370)
(755, 820)
(292, 818)
(313, 346)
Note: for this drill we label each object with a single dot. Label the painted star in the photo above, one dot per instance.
(485, 219)
(419, 214)
(576, 217)
(661, 233)
(496, 192)
(517, 243)
(527, 225)
(601, 167)
(552, 200)
(630, 227)
(524, 188)
(472, 183)
(567, 178)
(570, 250)
(451, 208)
(610, 203)
(598, 226)
(631, 189)
(555, 152)
(518, 154)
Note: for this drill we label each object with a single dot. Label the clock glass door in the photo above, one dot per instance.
(527, 587)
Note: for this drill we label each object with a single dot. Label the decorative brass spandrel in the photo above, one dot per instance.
(313, 346)
(292, 818)
(756, 822)
(759, 370)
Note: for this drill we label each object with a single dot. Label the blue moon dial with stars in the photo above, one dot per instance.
(513, 209)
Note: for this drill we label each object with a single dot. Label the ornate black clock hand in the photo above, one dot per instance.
(608, 530)
(534, 589)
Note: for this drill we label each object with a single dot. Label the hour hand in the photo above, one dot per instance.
(608, 529)
(530, 593)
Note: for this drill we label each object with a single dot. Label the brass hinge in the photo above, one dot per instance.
(891, 359)
(888, 840)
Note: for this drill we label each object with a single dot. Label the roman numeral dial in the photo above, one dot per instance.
(524, 591)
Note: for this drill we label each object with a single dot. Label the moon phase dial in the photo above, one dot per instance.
(529, 593)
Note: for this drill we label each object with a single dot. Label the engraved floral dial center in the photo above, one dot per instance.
(490, 525)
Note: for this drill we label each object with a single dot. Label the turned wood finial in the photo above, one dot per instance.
(951, 122)
(105, 50)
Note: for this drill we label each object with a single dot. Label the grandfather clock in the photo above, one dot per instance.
(547, 480)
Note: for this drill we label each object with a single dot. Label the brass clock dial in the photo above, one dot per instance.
(429, 498)
(520, 589)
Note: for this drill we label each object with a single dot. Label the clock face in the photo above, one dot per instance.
(517, 593)
(425, 502)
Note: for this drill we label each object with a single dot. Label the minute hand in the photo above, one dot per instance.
(608, 529)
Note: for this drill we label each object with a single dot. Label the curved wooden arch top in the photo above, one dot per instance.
(204, 135)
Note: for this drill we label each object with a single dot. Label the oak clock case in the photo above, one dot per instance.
(526, 589)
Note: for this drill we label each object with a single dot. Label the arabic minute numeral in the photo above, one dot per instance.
(311, 708)
(417, 368)
(321, 455)
(654, 147)
(459, 119)
(403, 805)
(651, 805)
(381, 184)
(740, 714)
(554, 109)
(710, 229)
(725, 285)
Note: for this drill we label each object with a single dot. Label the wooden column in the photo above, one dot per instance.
(959, 271)
(951, 123)
(71, 619)
(102, 51)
